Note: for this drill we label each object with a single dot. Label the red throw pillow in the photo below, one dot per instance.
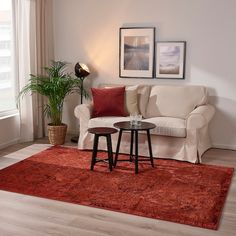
(108, 101)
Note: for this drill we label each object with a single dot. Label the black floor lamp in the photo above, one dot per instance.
(81, 71)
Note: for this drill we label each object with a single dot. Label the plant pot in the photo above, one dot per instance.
(57, 134)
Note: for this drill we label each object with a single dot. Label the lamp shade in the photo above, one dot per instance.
(81, 70)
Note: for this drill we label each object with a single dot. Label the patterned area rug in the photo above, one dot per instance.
(181, 192)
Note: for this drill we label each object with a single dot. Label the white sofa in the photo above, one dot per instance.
(181, 114)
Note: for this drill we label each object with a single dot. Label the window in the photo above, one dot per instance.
(7, 60)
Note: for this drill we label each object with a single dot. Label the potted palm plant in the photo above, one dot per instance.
(55, 86)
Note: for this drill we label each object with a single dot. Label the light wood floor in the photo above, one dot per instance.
(22, 215)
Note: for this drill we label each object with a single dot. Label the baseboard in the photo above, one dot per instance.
(72, 132)
(6, 144)
(224, 146)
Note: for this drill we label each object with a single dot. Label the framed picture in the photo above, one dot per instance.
(137, 52)
(170, 59)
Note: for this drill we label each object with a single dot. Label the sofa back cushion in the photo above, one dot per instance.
(175, 101)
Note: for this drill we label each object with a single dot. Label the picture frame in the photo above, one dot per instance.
(170, 59)
(136, 54)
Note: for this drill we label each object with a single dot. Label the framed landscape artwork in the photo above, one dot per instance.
(137, 52)
(170, 59)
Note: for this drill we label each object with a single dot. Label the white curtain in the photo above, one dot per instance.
(34, 50)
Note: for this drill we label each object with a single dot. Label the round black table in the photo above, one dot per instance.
(102, 131)
(134, 129)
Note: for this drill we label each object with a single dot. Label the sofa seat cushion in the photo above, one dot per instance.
(168, 126)
(107, 121)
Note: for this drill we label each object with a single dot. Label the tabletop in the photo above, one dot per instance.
(126, 125)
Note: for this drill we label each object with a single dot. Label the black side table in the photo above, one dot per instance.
(134, 129)
(102, 131)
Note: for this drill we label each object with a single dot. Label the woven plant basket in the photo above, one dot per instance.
(57, 134)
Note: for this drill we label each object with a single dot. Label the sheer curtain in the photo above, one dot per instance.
(34, 50)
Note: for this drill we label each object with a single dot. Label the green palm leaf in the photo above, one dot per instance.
(55, 86)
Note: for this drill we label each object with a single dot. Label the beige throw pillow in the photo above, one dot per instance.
(131, 100)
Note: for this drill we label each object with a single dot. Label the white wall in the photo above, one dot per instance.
(10, 131)
(88, 31)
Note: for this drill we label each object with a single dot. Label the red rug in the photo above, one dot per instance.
(173, 191)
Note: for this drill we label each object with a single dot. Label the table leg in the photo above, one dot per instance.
(150, 147)
(109, 151)
(118, 147)
(136, 152)
(95, 150)
(131, 145)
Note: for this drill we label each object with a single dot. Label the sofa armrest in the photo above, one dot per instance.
(200, 116)
(83, 112)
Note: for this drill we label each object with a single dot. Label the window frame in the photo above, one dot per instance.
(14, 111)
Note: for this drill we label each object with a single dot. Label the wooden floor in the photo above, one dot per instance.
(22, 215)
